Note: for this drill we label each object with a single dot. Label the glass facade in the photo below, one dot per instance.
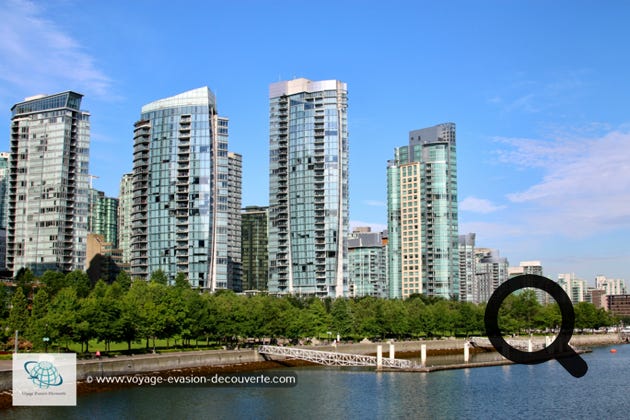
(308, 202)
(125, 202)
(48, 185)
(367, 264)
(181, 192)
(103, 217)
(467, 267)
(422, 215)
(4, 199)
(254, 247)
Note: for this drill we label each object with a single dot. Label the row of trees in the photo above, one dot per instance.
(65, 308)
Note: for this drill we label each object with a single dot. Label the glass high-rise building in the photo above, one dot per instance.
(491, 270)
(182, 179)
(4, 188)
(308, 197)
(125, 203)
(367, 266)
(422, 215)
(103, 216)
(48, 184)
(467, 267)
(4, 200)
(254, 247)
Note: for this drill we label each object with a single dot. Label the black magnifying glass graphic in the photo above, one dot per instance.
(559, 349)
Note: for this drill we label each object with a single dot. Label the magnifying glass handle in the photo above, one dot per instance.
(574, 364)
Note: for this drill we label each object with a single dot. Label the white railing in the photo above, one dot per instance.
(330, 358)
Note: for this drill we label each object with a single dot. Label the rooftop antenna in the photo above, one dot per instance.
(92, 179)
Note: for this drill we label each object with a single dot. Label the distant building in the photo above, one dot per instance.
(367, 264)
(308, 188)
(125, 204)
(619, 305)
(234, 190)
(611, 286)
(531, 267)
(48, 188)
(467, 267)
(254, 255)
(103, 260)
(103, 216)
(4, 199)
(598, 298)
(574, 287)
(422, 215)
(491, 272)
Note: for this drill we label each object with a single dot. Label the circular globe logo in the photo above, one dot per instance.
(43, 374)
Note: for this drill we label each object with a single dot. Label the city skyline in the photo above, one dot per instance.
(542, 129)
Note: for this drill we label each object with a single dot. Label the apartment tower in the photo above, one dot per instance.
(48, 184)
(182, 210)
(422, 215)
(308, 197)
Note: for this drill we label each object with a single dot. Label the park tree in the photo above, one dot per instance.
(395, 317)
(191, 326)
(53, 281)
(124, 280)
(341, 315)
(314, 319)
(133, 323)
(62, 317)
(80, 282)
(367, 317)
(229, 313)
(24, 279)
(444, 316)
(18, 315)
(468, 318)
(38, 325)
(181, 281)
(5, 300)
(585, 315)
(159, 277)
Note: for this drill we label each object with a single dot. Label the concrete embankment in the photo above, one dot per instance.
(215, 358)
(150, 363)
(456, 345)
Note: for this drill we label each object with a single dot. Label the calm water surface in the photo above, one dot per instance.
(515, 391)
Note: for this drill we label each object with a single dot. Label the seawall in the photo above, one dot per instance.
(150, 363)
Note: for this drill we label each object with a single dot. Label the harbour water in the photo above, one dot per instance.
(512, 391)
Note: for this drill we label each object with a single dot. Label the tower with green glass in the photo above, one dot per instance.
(308, 183)
(423, 252)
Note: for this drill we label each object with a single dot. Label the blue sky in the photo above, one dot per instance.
(538, 90)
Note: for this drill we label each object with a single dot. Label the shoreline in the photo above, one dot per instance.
(408, 350)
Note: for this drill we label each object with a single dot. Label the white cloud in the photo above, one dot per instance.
(520, 94)
(374, 203)
(478, 205)
(37, 55)
(586, 186)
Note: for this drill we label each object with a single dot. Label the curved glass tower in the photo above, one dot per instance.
(308, 197)
(182, 185)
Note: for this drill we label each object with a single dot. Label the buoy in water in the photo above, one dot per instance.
(613, 350)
